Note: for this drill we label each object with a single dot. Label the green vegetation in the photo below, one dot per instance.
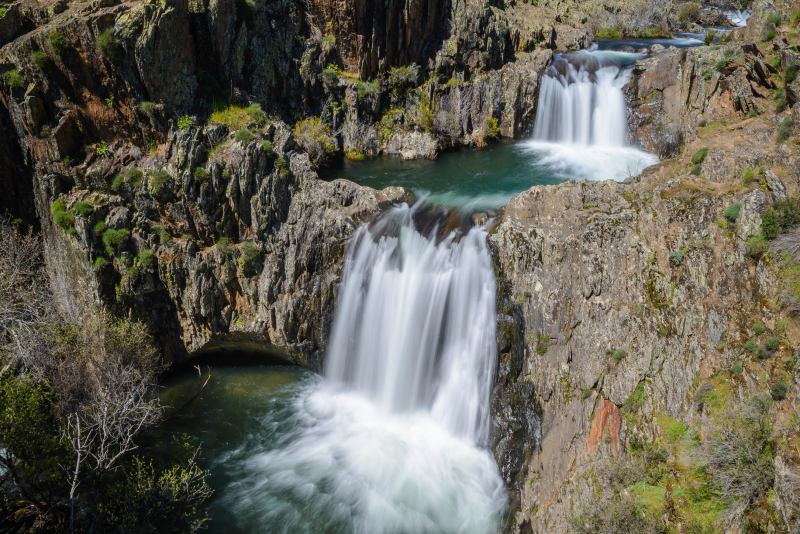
(244, 136)
(145, 258)
(236, 117)
(158, 182)
(315, 136)
(756, 246)
(616, 354)
(3, 11)
(98, 228)
(251, 259)
(491, 128)
(732, 212)
(147, 107)
(266, 146)
(108, 45)
(82, 209)
(354, 155)
(758, 328)
(779, 217)
(185, 122)
(709, 37)
(13, 79)
(772, 343)
(58, 43)
(331, 74)
(542, 344)
(101, 148)
(774, 19)
(129, 177)
(71, 421)
(676, 258)
(689, 12)
(778, 391)
(200, 174)
(785, 127)
(63, 218)
(40, 59)
(699, 156)
(608, 33)
(114, 239)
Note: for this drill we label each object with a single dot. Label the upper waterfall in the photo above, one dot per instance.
(581, 124)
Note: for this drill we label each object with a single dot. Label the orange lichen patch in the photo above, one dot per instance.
(606, 424)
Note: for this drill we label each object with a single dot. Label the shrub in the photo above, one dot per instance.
(266, 146)
(58, 43)
(315, 136)
(3, 12)
(697, 170)
(616, 354)
(200, 174)
(163, 235)
(145, 258)
(751, 346)
(354, 155)
(130, 176)
(331, 74)
(100, 262)
(113, 239)
(774, 19)
(769, 35)
(244, 136)
(699, 156)
(785, 129)
(756, 246)
(82, 209)
(778, 391)
(237, 117)
(64, 219)
(758, 328)
(709, 37)
(689, 12)
(737, 368)
(101, 148)
(107, 44)
(542, 344)
(676, 258)
(492, 128)
(158, 181)
(40, 59)
(185, 122)
(732, 213)
(403, 77)
(608, 33)
(791, 73)
(780, 216)
(772, 343)
(13, 79)
(616, 515)
(748, 176)
(224, 245)
(147, 107)
(98, 228)
(251, 259)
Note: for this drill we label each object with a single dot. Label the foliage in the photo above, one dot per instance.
(113, 239)
(145, 258)
(689, 12)
(616, 354)
(331, 74)
(542, 344)
(185, 122)
(778, 391)
(58, 43)
(676, 258)
(63, 219)
(756, 246)
(101, 148)
(236, 117)
(147, 107)
(200, 174)
(244, 136)
(492, 128)
(130, 176)
(251, 258)
(3, 12)
(699, 156)
(315, 136)
(354, 155)
(709, 37)
(159, 181)
(732, 212)
(107, 44)
(13, 79)
(608, 33)
(82, 209)
(779, 217)
(619, 514)
(758, 328)
(785, 127)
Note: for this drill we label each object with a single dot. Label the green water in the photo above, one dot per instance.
(471, 179)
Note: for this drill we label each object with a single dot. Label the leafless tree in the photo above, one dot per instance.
(787, 486)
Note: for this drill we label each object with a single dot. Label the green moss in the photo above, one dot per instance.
(266, 146)
(672, 429)
(145, 258)
(100, 262)
(98, 228)
(130, 176)
(200, 174)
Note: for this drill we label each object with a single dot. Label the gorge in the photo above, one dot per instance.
(575, 273)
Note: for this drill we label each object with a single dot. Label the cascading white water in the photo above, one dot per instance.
(581, 121)
(393, 440)
(415, 324)
(739, 17)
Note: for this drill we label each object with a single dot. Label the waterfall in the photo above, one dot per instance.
(393, 439)
(739, 17)
(581, 126)
(415, 323)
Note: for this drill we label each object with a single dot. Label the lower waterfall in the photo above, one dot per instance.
(393, 438)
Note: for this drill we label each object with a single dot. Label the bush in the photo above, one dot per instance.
(617, 515)
(785, 129)
(331, 74)
(158, 181)
(130, 176)
(98, 228)
(200, 174)
(145, 258)
(778, 391)
(732, 213)
(689, 12)
(791, 73)
(756, 246)
(491, 128)
(266, 146)
(697, 170)
(114, 239)
(748, 176)
(251, 259)
(616, 354)
(608, 33)
(676, 258)
(354, 155)
(13, 79)
(737, 368)
(58, 43)
(709, 37)
(699, 156)
(237, 117)
(107, 44)
(3, 12)
(774, 19)
(758, 328)
(40, 59)
(101, 148)
(244, 136)
(315, 136)
(779, 217)
(751, 346)
(62, 218)
(185, 122)
(82, 209)
(147, 107)
(772, 343)
(100, 262)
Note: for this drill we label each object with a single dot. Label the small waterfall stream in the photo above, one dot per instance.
(581, 121)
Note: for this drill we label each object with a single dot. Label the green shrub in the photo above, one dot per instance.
(354, 155)
(618, 514)
(751, 346)
(737, 368)
(608, 33)
(780, 216)
(158, 181)
(64, 219)
(113, 239)
(748, 176)
(689, 12)
(82, 209)
(768, 35)
(697, 170)
(778, 391)
(185, 122)
(266, 146)
(147, 107)
(101, 148)
(58, 43)
(237, 117)
(251, 258)
(40, 59)
(756, 246)
(676, 258)
(616, 354)
(331, 74)
(794, 18)
(758, 328)
(13, 79)
(145, 258)
(224, 245)
(3, 12)
(699, 156)
(244, 136)
(163, 235)
(785, 129)
(492, 128)
(709, 37)
(732, 213)
(200, 174)
(130, 176)
(98, 228)
(772, 343)
(315, 136)
(107, 44)
(542, 344)
(774, 19)
(791, 73)
(100, 262)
